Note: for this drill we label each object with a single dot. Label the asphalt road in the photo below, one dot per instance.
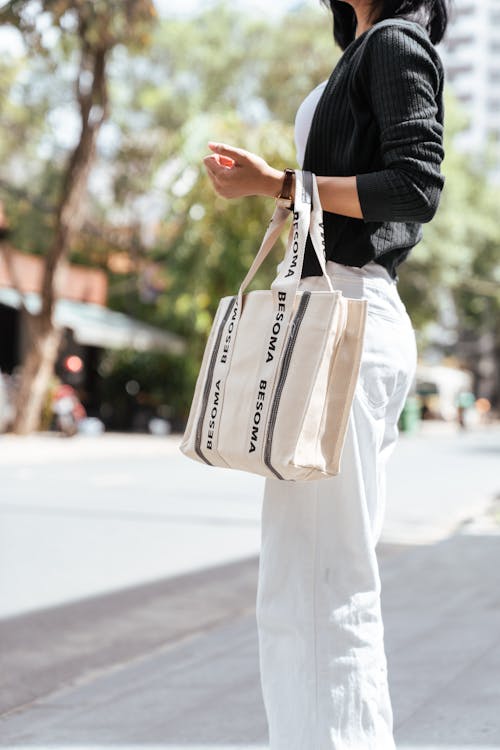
(127, 584)
(89, 516)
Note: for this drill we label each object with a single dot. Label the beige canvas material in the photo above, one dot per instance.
(280, 365)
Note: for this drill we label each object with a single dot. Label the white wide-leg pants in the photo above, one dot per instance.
(321, 642)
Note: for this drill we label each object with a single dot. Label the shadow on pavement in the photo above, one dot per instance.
(174, 664)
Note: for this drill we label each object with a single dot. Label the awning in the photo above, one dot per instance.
(94, 325)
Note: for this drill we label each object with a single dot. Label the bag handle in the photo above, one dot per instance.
(316, 232)
(273, 231)
(305, 221)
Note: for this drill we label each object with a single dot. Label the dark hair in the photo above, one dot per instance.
(432, 15)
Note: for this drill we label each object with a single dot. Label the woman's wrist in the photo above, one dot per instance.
(272, 183)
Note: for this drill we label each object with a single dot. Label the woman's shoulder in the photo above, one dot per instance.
(396, 26)
(397, 40)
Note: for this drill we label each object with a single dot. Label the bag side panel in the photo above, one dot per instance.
(188, 439)
(308, 452)
(345, 370)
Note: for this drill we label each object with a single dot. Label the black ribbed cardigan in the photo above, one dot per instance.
(381, 118)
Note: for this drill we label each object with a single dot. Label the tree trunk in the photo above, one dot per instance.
(44, 338)
(43, 346)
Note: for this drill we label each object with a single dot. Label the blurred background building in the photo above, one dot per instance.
(471, 54)
(90, 328)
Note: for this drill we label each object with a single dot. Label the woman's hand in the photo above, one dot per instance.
(236, 173)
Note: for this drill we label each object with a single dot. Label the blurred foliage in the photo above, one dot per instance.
(161, 384)
(40, 116)
(224, 76)
(97, 23)
(465, 229)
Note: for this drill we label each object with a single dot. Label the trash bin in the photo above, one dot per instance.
(409, 418)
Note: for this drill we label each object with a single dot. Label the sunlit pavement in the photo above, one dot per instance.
(84, 516)
(152, 561)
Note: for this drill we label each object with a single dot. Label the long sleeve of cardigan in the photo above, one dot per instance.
(401, 78)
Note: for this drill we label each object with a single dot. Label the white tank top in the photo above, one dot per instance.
(303, 120)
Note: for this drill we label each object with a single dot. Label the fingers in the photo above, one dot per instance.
(221, 168)
(238, 154)
(218, 165)
(216, 172)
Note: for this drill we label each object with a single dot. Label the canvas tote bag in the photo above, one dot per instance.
(280, 365)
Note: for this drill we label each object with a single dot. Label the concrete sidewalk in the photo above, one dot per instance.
(175, 665)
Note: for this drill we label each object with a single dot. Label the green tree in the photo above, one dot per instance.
(88, 32)
(244, 95)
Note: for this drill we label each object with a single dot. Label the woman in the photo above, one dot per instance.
(373, 135)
